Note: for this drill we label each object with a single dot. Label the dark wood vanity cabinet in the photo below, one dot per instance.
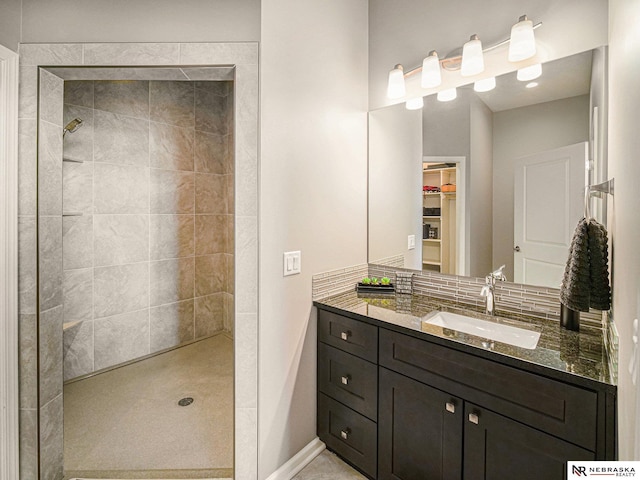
(348, 389)
(419, 430)
(496, 447)
(399, 407)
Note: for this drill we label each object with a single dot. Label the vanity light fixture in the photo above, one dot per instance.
(522, 44)
(470, 62)
(447, 95)
(472, 57)
(485, 85)
(529, 73)
(431, 76)
(414, 103)
(396, 88)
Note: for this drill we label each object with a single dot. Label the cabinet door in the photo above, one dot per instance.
(496, 448)
(419, 431)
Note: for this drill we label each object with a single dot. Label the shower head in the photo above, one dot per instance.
(72, 126)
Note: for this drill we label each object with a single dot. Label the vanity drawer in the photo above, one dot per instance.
(562, 410)
(348, 433)
(350, 335)
(349, 379)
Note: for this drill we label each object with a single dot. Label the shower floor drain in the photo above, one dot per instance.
(186, 401)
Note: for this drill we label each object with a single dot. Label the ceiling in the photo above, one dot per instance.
(564, 78)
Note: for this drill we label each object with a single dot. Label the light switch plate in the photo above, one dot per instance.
(292, 264)
(411, 242)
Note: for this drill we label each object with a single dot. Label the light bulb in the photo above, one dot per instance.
(431, 76)
(522, 44)
(529, 73)
(396, 88)
(472, 57)
(414, 103)
(447, 95)
(485, 84)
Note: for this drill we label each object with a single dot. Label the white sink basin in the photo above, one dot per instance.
(499, 332)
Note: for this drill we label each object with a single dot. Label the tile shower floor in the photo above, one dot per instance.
(127, 422)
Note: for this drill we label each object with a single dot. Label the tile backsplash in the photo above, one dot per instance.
(541, 302)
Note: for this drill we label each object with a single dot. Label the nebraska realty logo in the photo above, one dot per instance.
(603, 469)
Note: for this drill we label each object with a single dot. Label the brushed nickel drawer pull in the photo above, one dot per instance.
(346, 379)
(345, 335)
(473, 418)
(451, 407)
(345, 433)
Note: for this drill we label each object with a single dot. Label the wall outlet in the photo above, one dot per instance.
(292, 263)
(411, 242)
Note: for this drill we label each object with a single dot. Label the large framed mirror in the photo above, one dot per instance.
(494, 178)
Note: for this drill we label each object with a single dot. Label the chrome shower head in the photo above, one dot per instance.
(72, 126)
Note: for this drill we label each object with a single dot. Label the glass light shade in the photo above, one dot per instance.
(396, 88)
(485, 84)
(447, 95)
(414, 103)
(472, 57)
(529, 73)
(431, 76)
(522, 44)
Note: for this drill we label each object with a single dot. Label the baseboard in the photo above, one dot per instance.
(299, 460)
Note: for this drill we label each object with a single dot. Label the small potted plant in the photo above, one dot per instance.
(374, 285)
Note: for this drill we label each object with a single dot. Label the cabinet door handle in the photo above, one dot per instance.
(345, 379)
(450, 407)
(345, 433)
(345, 335)
(473, 418)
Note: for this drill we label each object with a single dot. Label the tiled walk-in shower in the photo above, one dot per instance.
(46, 291)
(147, 256)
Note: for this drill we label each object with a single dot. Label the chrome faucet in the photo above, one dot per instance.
(489, 288)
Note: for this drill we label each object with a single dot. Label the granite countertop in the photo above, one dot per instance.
(574, 356)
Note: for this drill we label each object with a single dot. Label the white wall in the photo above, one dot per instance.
(624, 145)
(480, 181)
(404, 32)
(395, 186)
(10, 12)
(312, 196)
(60, 21)
(523, 131)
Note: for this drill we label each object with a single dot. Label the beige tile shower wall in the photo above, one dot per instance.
(148, 226)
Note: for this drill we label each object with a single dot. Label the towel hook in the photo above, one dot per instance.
(597, 189)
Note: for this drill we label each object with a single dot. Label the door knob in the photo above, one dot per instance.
(473, 418)
(345, 379)
(345, 335)
(516, 248)
(450, 407)
(345, 433)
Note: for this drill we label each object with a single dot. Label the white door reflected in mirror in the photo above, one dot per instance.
(548, 201)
